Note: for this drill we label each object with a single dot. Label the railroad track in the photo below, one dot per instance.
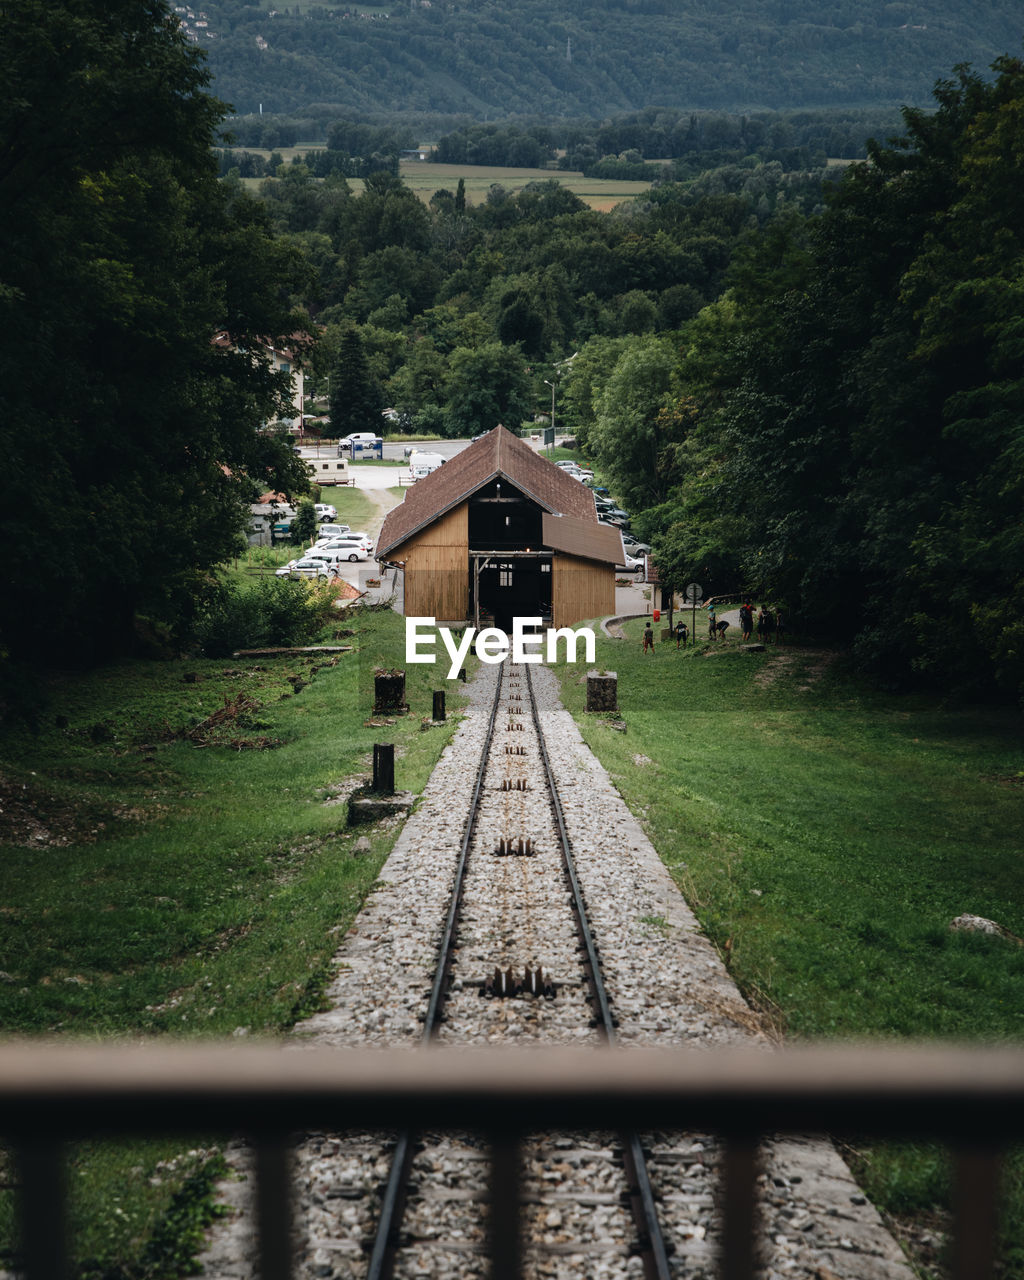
(518, 941)
(510, 925)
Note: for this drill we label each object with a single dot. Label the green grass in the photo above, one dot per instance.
(425, 178)
(352, 505)
(156, 880)
(826, 836)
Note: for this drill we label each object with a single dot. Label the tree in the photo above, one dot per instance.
(629, 437)
(303, 527)
(486, 385)
(355, 399)
(123, 259)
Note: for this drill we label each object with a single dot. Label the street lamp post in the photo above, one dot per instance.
(552, 386)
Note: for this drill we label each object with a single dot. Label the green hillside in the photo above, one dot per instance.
(571, 57)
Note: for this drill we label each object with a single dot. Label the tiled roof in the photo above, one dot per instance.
(498, 453)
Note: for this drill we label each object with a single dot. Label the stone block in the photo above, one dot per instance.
(602, 691)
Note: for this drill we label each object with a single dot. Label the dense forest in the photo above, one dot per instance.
(802, 379)
(567, 57)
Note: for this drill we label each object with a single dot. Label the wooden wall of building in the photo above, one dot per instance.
(436, 578)
(581, 589)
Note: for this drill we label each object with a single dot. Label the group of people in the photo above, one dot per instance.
(769, 623)
(681, 632)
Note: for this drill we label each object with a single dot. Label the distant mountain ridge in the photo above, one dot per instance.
(575, 58)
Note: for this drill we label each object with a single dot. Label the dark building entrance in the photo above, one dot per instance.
(516, 586)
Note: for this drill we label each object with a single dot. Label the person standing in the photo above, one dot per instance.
(769, 625)
(682, 633)
(779, 626)
(762, 624)
(648, 638)
(712, 623)
(746, 620)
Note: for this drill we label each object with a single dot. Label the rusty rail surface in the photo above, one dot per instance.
(52, 1094)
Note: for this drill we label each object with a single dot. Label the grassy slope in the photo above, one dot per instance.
(186, 890)
(826, 836)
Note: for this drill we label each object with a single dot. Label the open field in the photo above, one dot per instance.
(599, 193)
(425, 178)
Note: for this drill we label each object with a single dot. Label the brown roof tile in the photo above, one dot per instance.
(498, 453)
(587, 538)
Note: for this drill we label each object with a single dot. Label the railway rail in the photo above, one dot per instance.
(514, 748)
(513, 973)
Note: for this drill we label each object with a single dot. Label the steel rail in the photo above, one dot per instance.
(385, 1244)
(645, 1212)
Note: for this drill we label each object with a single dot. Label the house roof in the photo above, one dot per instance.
(497, 454)
(587, 538)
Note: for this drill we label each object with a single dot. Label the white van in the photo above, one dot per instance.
(422, 464)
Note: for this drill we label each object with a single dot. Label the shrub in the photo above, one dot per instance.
(271, 611)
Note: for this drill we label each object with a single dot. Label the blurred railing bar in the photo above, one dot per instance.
(50, 1095)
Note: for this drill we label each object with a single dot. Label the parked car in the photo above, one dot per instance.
(344, 549)
(636, 565)
(422, 464)
(333, 531)
(304, 568)
(353, 535)
(325, 513)
(635, 548)
(331, 558)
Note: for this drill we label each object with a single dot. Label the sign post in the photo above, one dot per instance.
(693, 595)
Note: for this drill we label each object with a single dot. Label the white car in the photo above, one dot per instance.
(333, 531)
(355, 535)
(304, 568)
(637, 565)
(325, 512)
(343, 549)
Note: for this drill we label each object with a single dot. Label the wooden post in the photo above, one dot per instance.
(389, 692)
(439, 704)
(384, 768)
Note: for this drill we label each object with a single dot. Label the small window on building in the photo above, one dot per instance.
(545, 566)
(504, 575)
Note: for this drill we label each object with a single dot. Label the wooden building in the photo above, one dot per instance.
(499, 532)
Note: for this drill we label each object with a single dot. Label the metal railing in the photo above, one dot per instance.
(54, 1094)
